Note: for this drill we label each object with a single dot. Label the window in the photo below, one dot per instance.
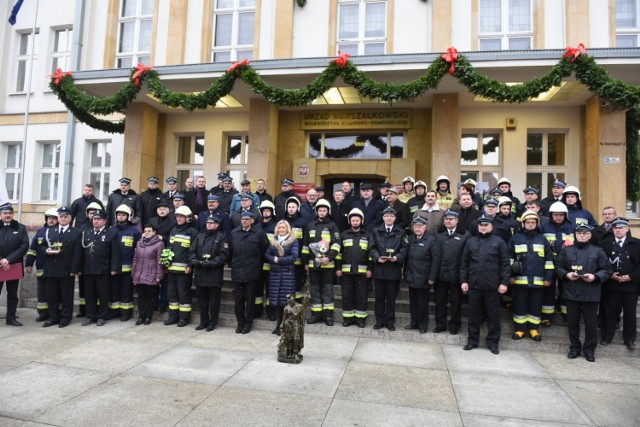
(546, 160)
(237, 156)
(190, 157)
(362, 27)
(505, 25)
(627, 29)
(99, 167)
(134, 33)
(49, 171)
(12, 164)
(233, 34)
(480, 158)
(349, 145)
(25, 43)
(61, 52)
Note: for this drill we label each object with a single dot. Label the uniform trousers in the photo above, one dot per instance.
(12, 297)
(43, 308)
(301, 277)
(485, 302)
(121, 298)
(60, 290)
(386, 292)
(589, 313)
(209, 304)
(451, 292)
(245, 295)
(179, 292)
(321, 281)
(147, 299)
(82, 304)
(549, 300)
(614, 301)
(527, 307)
(419, 307)
(96, 287)
(354, 296)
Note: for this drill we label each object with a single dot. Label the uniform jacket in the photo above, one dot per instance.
(467, 218)
(282, 279)
(380, 242)
(593, 260)
(423, 261)
(372, 212)
(316, 231)
(625, 261)
(485, 262)
(235, 218)
(354, 258)
(298, 225)
(402, 213)
(225, 220)
(116, 198)
(180, 240)
(14, 241)
(149, 200)
(505, 226)
(146, 269)
(226, 197)
(444, 200)
(280, 203)
(340, 213)
(451, 248)
(79, 210)
(579, 215)
(414, 205)
(247, 250)
(128, 237)
(163, 226)
(208, 255)
(37, 252)
(237, 198)
(100, 252)
(69, 260)
(531, 250)
(556, 234)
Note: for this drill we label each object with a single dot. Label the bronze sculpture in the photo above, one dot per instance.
(292, 338)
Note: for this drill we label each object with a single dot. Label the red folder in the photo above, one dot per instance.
(15, 272)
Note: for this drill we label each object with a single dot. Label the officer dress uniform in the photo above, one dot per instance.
(121, 299)
(208, 255)
(532, 265)
(37, 256)
(100, 260)
(354, 263)
(181, 239)
(14, 244)
(60, 270)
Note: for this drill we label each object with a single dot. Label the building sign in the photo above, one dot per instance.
(612, 160)
(303, 170)
(356, 119)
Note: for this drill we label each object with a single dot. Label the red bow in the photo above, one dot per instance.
(140, 70)
(59, 75)
(237, 65)
(574, 52)
(342, 60)
(451, 57)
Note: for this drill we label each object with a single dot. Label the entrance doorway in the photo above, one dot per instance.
(335, 183)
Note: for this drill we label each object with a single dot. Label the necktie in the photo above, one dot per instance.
(61, 230)
(388, 230)
(450, 232)
(620, 244)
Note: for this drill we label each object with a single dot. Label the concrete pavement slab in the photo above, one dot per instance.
(29, 390)
(12, 422)
(226, 339)
(193, 364)
(416, 354)
(326, 346)
(155, 333)
(485, 393)
(473, 420)
(353, 413)
(508, 362)
(107, 354)
(231, 406)
(315, 376)
(130, 400)
(615, 370)
(607, 404)
(398, 385)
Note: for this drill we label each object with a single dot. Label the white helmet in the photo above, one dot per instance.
(124, 209)
(93, 206)
(442, 178)
(558, 207)
(503, 180)
(420, 183)
(183, 210)
(408, 179)
(266, 204)
(572, 189)
(321, 203)
(53, 212)
(356, 212)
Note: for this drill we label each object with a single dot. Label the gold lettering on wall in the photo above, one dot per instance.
(358, 119)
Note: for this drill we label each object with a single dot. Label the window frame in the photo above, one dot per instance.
(389, 134)
(361, 40)
(551, 172)
(629, 31)
(53, 170)
(191, 168)
(476, 171)
(137, 56)
(61, 58)
(24, 59)
(237, 171)
(505, 34)
(235, 50)
(14, 170)
(103, 171)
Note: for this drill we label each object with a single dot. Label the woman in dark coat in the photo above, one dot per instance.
(281, 254)
(207, 256)
(147, 273)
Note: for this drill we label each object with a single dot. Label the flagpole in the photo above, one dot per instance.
(26, 112)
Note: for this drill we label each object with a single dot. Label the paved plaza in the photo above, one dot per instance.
(122, 374)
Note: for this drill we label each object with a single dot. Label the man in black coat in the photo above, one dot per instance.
(149, 200)
(468, 213)
(371, 208)
(484, 273)
(79, 206)
(247, 246)
(172, 183)
(64, 261)
(196, 199)
(340, 209)
(620, 292)
(14, 244)
(281, 199)
(123, 196)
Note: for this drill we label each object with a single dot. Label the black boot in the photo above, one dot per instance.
(11, 320)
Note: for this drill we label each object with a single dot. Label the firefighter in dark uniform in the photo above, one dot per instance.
(37, 256)
(621, 290)
(207, 256)
(268, 224)
(354, 267)
(531, 270)
(323, 234)
(121, 299)
(388, 250)
(64, 256)
(100, 261)
(484, 273)
(298, 224)
(88, 225)
(14, 244)
(181, 238)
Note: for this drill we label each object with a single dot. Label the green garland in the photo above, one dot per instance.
(633, 156)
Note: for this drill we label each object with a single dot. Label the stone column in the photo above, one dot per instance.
(140, 145)
(263, 142)
(605, 159)
(445, 138)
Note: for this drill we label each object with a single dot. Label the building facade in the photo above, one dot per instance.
(567, 133)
